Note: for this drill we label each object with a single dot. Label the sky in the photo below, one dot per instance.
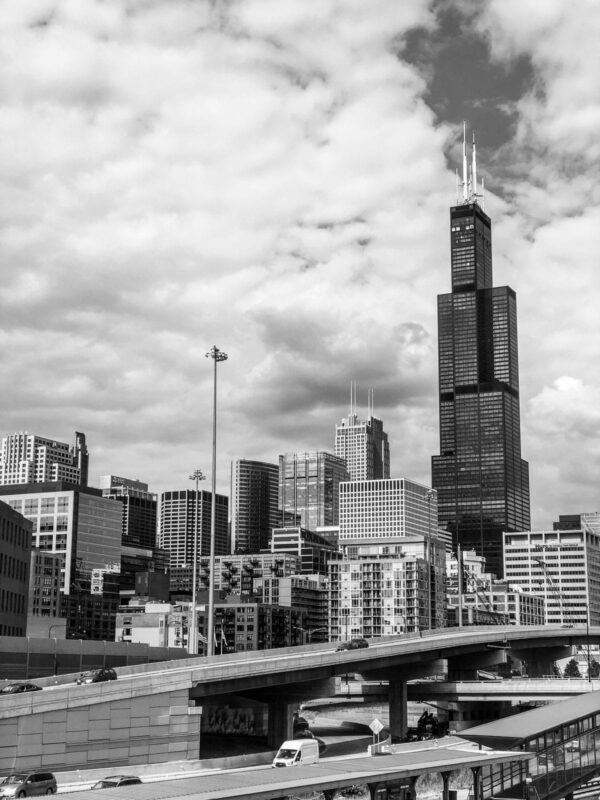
(274, 177)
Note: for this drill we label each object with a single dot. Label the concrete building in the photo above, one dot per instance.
(363, 444)
(26, 458)
(254, 504)
(314, 551)
(309, 489)
(385, 589)
(177, 525)
(307, 593)
(388, 509)
(561, 566)
(15, 556)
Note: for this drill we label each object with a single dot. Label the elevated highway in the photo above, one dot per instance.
(152, 713)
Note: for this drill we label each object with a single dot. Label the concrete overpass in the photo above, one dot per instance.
(152, 713)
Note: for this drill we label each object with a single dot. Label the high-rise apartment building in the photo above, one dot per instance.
(254, 506)
(309, 489)
(26, 458)
(177, 529)
(481, 479)
(364, 445)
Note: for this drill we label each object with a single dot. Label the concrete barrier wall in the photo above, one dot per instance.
(151, 728)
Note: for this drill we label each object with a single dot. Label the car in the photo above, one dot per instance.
(116, 780)
(97, 675)
(27, 784)
(15, 688)
(352, 644)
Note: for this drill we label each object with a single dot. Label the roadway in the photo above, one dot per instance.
(397, 767)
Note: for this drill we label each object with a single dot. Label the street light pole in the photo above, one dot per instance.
(216, 355)
(429, 609)
(197, 475)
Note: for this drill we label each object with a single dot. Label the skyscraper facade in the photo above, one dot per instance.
(364, 445)
(254, 507)
(309, 489)
(176, 531)
(26, 458)
(481, 480)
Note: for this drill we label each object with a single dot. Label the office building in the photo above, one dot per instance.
(563, 567)
(254, 506)
(176, 531)
(139, 509)
(391, 509)
(44, 613)
(363, 444)
(481, 479)
(15, 556)
(307, 593)
(26, 458)
(314, 551)
(309, 485)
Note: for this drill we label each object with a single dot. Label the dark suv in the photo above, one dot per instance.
(98, 675)
(352, 644)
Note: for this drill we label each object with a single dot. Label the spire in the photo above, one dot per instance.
(469, 183)
(464, 165)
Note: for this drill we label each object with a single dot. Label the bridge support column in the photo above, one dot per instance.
(280, 723)
(445, 785)
(476, 783)
(397, 704)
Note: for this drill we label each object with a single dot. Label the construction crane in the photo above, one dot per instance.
(553, 590)
(479, 588)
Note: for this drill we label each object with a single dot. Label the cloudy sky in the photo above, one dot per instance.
(273, 177)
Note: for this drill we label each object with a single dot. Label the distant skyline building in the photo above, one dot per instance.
(481, 479)
(177, 525)
(373, 511)
(139, 509)
(363, 443)
(309, 489)
(254, 504)
(27, 458)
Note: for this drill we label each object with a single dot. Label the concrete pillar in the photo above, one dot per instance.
(445, 785)
(280, 723)
(397, 704)
(476, 783)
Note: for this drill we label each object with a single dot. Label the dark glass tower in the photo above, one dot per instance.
(481, 480)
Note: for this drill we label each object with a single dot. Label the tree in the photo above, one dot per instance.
(594, 669)
(572, 669)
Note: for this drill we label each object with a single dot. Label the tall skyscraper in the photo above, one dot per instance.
(177, 525)
(254, 508)
(481, 480)
(26, 458)
(363, 443)
(139, 509)
(309, 489)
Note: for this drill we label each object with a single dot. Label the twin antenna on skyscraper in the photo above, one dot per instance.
(469, 182)
(370, 400)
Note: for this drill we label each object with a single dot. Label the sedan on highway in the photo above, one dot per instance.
(15, 688)
(116, 780)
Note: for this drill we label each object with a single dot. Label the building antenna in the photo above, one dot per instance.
(474, 168)
(464, 164)
(483, 194)
(457, 189)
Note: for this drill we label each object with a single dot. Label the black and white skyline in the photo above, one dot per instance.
(274, 177)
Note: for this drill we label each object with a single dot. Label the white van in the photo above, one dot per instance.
(295, 752)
